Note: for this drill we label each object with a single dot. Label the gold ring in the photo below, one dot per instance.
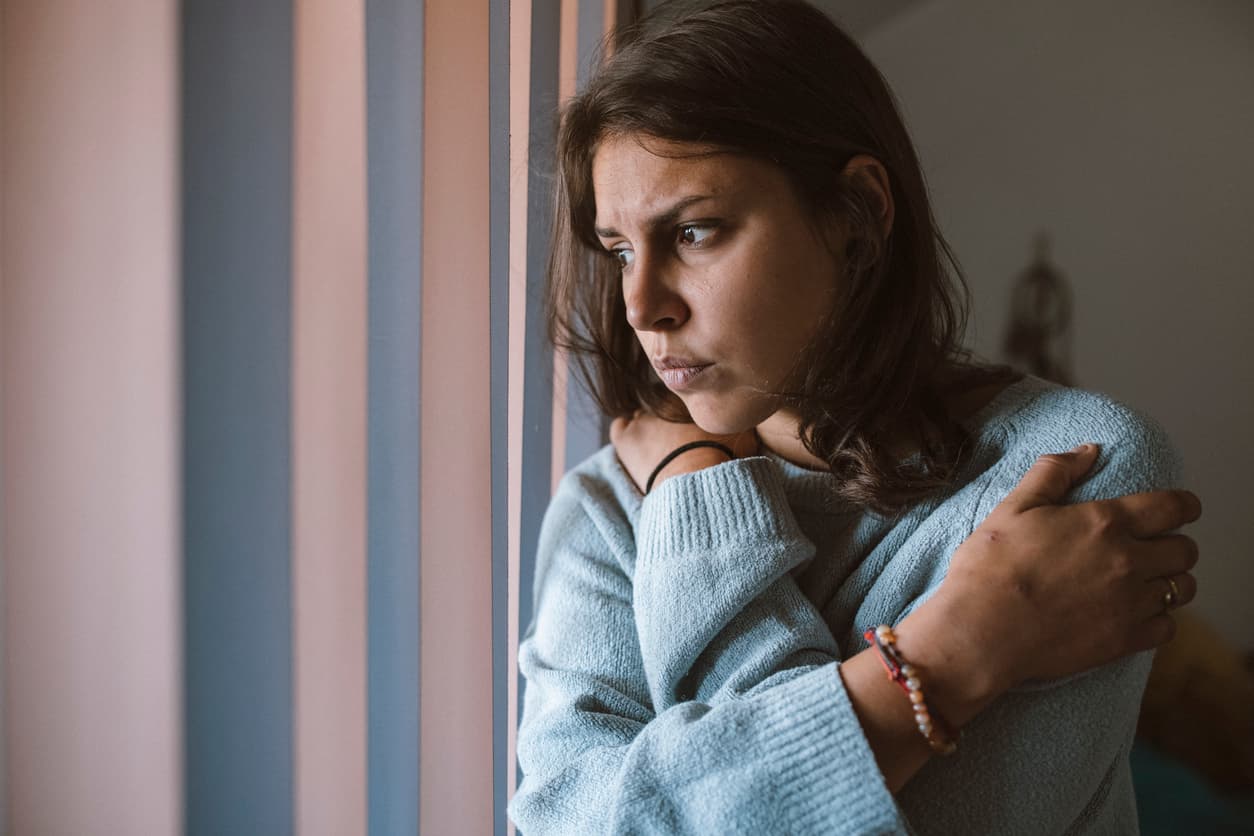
(1172, 596)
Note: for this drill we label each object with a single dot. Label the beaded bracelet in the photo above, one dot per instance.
(938, 733)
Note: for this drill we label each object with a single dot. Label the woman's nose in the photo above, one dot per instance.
(652, 304)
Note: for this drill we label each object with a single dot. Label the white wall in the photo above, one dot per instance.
(1125, 129)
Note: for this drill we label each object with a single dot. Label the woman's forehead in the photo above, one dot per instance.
(640, 155)
(642, 177)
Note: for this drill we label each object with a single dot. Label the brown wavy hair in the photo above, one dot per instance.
(779, 81)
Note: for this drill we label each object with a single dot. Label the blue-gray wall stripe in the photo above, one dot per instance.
(498, 291)
(590, 29)
(394, 123)
(585, 433)
(537, 431)
(586, 428)
(236, 314)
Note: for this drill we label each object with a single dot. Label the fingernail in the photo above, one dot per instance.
(1083, 448)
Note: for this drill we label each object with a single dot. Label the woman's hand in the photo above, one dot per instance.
(1041, 590)
(643, 440)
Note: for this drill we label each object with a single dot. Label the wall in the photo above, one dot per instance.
(1123, 130)
(88, 359)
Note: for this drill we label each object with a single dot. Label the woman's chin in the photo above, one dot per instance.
(718, 418)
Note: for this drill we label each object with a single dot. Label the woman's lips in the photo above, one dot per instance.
(681, 377)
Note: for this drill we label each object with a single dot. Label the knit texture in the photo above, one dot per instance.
(682, 668)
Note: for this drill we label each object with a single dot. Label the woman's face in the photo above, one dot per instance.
(725, 276)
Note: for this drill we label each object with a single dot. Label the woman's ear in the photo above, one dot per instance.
(870, 174)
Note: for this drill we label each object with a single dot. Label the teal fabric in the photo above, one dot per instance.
(1173, 798)
(683, 665)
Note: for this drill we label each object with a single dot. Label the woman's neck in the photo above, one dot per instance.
(781, 433)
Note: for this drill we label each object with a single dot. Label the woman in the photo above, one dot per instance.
(745, 256)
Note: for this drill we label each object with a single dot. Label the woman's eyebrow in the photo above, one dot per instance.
(666, 217)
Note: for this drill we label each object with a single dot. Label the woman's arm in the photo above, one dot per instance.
(778, 734)
(1039, 591)
(779, 752)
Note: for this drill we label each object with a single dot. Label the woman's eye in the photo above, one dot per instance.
(694, 235)
(623, 256)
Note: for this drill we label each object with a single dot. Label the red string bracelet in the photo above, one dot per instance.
(938, 733)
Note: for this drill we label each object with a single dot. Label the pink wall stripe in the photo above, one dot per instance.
(519, 136)
(456, 690)
(89, 440)
(6, 826)
(329, 418)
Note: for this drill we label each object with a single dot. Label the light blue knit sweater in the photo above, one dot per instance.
(682, 668)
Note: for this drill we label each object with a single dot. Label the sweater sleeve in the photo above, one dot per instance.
(705, 697)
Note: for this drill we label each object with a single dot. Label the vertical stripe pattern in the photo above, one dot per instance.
(329, 418)
(89, 417)
(538, 358)
(586, 430)
(456, 559)
(278, 417)
(394, 119)
(499, 223)
(519, 142)
(237, 225)
(5, 825)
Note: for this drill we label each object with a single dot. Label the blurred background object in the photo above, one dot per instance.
(1199, 705)
(1038, 338)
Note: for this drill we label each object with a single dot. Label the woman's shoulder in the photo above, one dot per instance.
(595, 506)
(1032, 417)
(601, 483)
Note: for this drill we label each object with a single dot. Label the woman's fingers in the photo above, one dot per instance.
(1156, 512)
(1112, 563)
(1164, 594)
(1051, 477)
(1148, 514)
(1182, 589)
(1162, 557)
(1154, 632)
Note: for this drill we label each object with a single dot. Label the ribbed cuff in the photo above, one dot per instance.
(828, 777)
(737, 504)
(707, 544)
